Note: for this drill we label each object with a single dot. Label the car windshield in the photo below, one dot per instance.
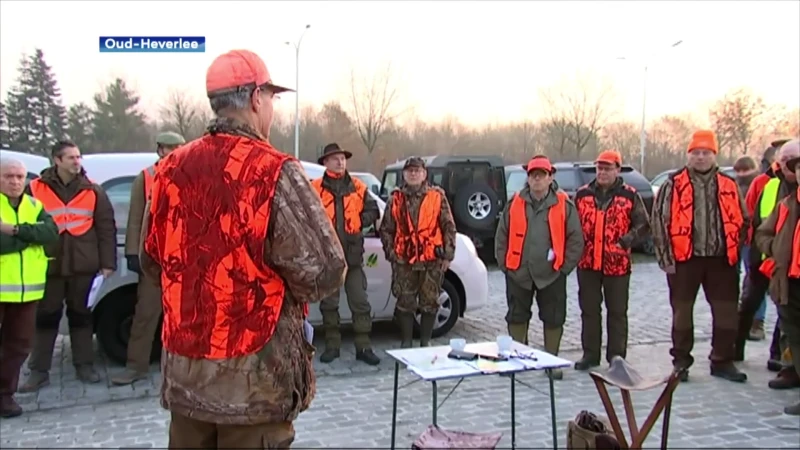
(389, 183)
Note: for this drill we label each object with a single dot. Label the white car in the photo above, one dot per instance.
(465, 284)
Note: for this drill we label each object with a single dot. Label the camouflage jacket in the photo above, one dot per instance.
(388, 228)
(707, 232)
(277, 383)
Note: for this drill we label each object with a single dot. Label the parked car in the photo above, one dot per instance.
(474, 185)
(33, 163)
(465, 284)
(372, 182)
(659, 179)
(570, 176)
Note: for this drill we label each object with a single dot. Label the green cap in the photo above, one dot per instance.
(170, 138)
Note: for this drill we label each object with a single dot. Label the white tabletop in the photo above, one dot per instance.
(432, 363)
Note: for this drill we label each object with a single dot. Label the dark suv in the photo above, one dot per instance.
(475, 187)
(571, 176)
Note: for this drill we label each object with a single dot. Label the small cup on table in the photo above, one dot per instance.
(458, 344)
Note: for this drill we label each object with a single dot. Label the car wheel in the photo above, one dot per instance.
(449, 311)
(475, 206)
(114, 327)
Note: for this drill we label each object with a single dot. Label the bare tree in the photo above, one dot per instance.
(183, 115)
(526, 135)
(581, 107)
(736, 119)
(624, 138)
(374, 105)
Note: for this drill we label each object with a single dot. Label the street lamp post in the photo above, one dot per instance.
(297, 91)
(643, 133)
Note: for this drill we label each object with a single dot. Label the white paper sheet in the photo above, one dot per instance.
(96, 284)
(308, 330)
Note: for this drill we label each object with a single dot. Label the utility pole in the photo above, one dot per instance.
(297, 91)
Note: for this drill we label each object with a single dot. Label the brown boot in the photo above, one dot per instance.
(757, 331)
(36, 380)
(9, 407)
(128, 376)
(552, 343)
(518, 332)
(85, 373)
(787, 378)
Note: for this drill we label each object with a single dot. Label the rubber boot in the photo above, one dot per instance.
(426, 329)
(129, 376)
(518, 332)
(333, 336)
(406, 322)
(552, 342)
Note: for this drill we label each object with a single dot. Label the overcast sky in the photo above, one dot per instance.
(479, 61)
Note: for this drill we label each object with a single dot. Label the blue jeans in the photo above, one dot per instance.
(761, 314)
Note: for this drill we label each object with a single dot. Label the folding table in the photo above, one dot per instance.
(460, 370)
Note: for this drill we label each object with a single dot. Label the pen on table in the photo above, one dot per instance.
(435, 357)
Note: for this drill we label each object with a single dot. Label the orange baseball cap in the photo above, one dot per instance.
(609, 157)
(540, 163)
(704, 139)
(239, 70)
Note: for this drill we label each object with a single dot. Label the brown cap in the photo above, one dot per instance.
(239, 70)
(414, 161)
(333, 149)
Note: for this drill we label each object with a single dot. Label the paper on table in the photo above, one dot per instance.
(92, 298)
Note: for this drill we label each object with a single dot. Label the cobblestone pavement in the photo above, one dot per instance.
(354, 411)
(649, 317)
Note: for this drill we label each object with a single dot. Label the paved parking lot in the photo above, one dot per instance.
(354, 411)
(649, 317)
(353, 403)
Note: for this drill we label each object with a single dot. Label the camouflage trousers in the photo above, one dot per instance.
(355, 287)
(410, 284)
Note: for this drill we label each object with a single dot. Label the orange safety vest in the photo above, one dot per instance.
(221, 299)
(353, 204)
(768, 265)
(682, 211)
(602, 230)
(75, 217)
(417, 244)
(518, 228)
(149, 176)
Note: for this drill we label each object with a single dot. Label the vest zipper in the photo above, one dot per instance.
(21, 261)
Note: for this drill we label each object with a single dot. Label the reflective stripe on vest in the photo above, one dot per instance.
(353, 204)
(221, 298)
(149, 176)
(417, 243)
(22, 274)
(681, 226)
(602, 230)
(518, 229)
(76, 217)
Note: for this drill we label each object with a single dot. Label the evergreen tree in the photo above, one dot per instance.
(3, 126)
(36, 115)
(79, 126)
(118, 125)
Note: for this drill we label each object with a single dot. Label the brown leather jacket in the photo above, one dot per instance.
(277, 383)
(88, 253)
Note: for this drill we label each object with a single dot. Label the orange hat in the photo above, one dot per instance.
(704, 139)
(238, 69)
(541, 163)
(609, 157)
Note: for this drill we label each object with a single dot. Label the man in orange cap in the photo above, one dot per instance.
(699, 225)
(537, 244)
(779, 238)
(612, 216)
(241, 245)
